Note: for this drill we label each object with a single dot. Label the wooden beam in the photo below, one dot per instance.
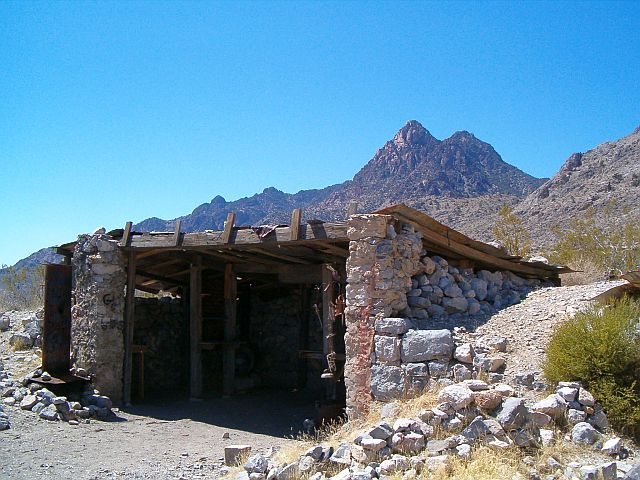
(310, 232)
(228, 228)
(130, 302)
(230, 329)
(450, 244)
(176, 233)
(148, 253)
(195, 329)
(296, 215)
(126, 235)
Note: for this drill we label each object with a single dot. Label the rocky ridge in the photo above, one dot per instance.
(606, 177)
(412, 167)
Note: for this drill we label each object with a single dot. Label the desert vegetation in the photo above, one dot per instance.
(21, 288)
(601, 348)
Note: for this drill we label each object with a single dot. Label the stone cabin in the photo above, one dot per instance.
(352, 311)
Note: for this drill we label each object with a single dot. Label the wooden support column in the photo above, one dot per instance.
(328, 329)
(130, 303)
(195, 328)
(230, 328)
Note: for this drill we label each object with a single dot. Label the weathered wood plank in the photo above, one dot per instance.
(129, 324)
(294, 233)
(309, 232)
(228, 228)
(126, 235)
(176, 233)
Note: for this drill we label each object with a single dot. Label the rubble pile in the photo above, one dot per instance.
(470, 413)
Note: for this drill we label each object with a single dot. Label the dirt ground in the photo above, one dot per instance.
(161, 440)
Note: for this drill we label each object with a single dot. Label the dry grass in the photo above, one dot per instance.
(586, 272)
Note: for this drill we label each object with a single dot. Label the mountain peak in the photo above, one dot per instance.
(413, 133)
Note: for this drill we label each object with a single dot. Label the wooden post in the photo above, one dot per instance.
(195, 328)
(328, 328)
(130, 303)
(228, 228)
(230, 327)
(295, 224)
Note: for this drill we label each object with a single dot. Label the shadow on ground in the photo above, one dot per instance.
(270, 412)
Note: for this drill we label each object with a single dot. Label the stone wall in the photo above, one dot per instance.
(402, 304)
(379, 269)
(276, 331)
(97, 328)
(162, 325)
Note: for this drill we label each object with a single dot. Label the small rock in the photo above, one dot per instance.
(586, 398)
(612, 446)
(584, 433)
(458, 396)
(49, 413)
(464, 450)
(554, 406)
(487, 400)
(513, 413)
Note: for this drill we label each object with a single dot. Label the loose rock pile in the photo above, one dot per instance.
(441, 289)
(35, 397)
(26, 326)
(470, 413)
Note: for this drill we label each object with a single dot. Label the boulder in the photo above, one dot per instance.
(425, 345)
(458, 396)
(387, 349)
(464, 353)
(392, 326)
(387, 382)
(584, 433)
(554, 406)
(513, 413)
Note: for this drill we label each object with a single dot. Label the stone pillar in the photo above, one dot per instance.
(97, 325)
(379, 269)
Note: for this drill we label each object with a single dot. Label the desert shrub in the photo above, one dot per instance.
(22, 288)
(615, 249)
(601, 348)
(510, 231)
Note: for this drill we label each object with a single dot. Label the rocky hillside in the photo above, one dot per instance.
(606, 179)
(440, 176)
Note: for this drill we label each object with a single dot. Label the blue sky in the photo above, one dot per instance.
(116, 111)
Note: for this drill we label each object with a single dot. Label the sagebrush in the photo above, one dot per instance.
(613, 250)
(601, 348)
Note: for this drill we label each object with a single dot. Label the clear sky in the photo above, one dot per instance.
(115, 111)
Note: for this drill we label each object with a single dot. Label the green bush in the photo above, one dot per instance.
(615, 249)
(601, 348)
(509, 230)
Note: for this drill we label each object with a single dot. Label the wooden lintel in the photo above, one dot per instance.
(159, 278)
(129, 325)
(230, 327)
(228, 228)
(296, 215)
(176, 233)
(300, 274)
(195, 329)
(126, 235)
(149, 253)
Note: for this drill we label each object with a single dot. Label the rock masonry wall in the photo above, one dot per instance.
(162, 325)
(399, 298)
(97, 328)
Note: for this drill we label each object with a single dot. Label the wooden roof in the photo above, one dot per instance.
(450, 243)
(292, 252)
